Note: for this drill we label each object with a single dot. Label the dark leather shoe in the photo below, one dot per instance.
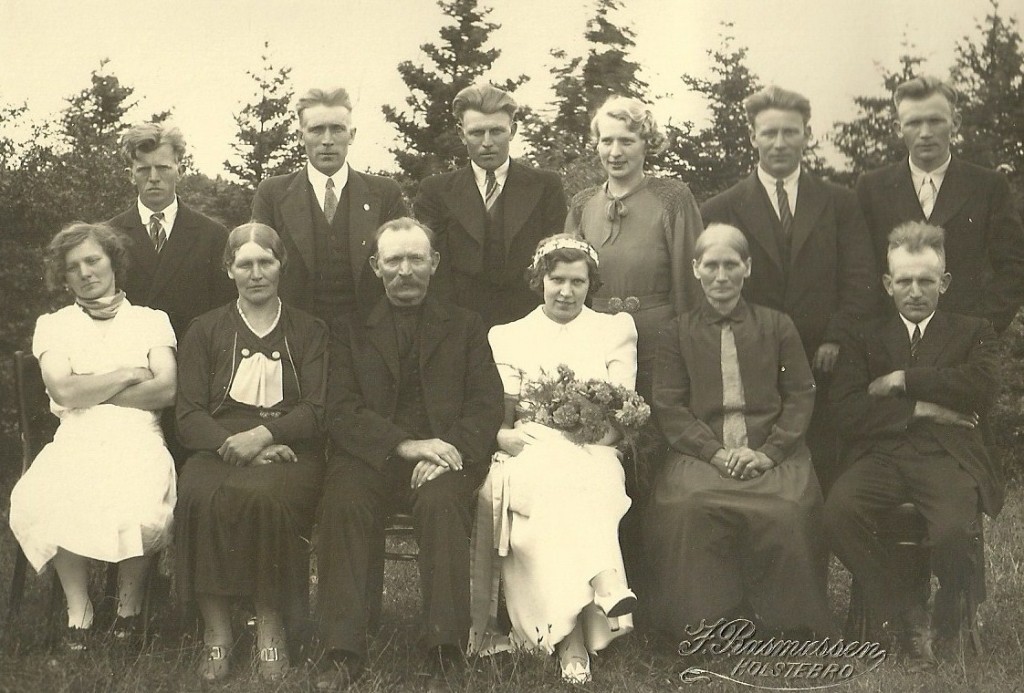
(918, 640)
(338, 670)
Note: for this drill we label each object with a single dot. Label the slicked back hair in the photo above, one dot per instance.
(777, 98)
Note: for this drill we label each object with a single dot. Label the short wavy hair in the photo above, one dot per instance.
(485, 98)
(323, 97)
(922, 87)
(546, 264)
(147, 137)
(638, 118)
(113, 242)
(778, 98)
(260, 234)
(916, 237)
(403, 223)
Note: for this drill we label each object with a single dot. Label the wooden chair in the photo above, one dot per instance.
(903, 534)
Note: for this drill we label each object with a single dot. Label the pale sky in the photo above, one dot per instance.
(191, 56)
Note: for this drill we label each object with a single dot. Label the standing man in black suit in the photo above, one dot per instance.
(490, 215)
(327, 214)
(176, 255)
(973, 205)
(911, 389)
(810, 250)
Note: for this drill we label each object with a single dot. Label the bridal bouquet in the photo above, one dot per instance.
(583, 409)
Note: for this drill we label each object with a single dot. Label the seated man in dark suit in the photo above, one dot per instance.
(327, 213)
(176, 257)
(984, 236)
(414, 407)
(910, 391)
(490, 215)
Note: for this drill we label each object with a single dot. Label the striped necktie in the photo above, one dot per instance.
(330, 201)
(785, 214)
(157, 234)
(490, 190)
(915, 343)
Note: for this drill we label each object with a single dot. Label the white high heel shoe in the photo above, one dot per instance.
(576, 671)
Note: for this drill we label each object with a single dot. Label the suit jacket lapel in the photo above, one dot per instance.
(521, 195)
(433, 328)
(897, 344)
(758, 217)
(176, 250)
(381, 333)
(145, 254)
(295, 206)
(903, 195)
(933, 342)
(810, 202)
(953, 194)
(363, 212)
(463, 199)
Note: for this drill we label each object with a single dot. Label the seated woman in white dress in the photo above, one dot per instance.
(562, 569)
(105, 487)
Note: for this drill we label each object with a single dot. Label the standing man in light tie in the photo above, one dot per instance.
(809, 247)
(490, 215)
(984, 237)
(327, 213)
(175, 257)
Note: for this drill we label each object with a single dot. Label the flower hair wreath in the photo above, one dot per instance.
(560, 243)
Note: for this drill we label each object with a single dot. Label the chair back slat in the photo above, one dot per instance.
(37, 423)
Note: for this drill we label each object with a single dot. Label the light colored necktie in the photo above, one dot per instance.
(915, 342)
(157, 234)
(734, 425)
(330, 201)
(785, 214)
(490, 189)
(927, 195)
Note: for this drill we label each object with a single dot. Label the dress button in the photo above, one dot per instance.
(275, 355)
(245, 352)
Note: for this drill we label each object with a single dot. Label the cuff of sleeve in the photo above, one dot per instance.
(708, 450)
(773, 453)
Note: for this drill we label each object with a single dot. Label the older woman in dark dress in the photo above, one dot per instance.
(731, 524)
(250, 404)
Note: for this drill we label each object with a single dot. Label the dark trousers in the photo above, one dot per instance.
(357, 499)
(944, 494)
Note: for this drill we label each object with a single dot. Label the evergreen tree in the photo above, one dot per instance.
(989, 74)
(718, 156)
(871, 140)
(428, 135)
(561, 141)
(266, 144)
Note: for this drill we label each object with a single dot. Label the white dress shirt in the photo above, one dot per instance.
(790, 183)
(319, 181)
(480, 174)
(170, 213)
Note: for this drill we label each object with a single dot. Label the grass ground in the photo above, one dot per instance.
(632, 663)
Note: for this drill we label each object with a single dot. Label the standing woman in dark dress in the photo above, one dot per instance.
(250, 404)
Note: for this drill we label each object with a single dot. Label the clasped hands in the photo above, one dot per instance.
(741, 463)
(895, 383)
(433, 457)
(254, 447)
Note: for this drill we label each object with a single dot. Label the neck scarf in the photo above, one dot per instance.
(103, 308)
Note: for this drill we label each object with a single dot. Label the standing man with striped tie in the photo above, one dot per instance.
(490, 215)
(176, 254)
(984, 237)
(809, 247)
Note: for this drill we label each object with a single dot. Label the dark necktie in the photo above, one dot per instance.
(330, 201)
(785, 215)
(490, 190)
(915, 342)
(157, 235)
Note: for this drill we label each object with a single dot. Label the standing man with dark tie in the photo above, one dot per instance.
(984, 238)
(176, 254)
(490, 215)
(327, 213)
(810, 250)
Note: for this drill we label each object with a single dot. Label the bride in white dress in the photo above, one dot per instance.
(557, 503)
(105, 487)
